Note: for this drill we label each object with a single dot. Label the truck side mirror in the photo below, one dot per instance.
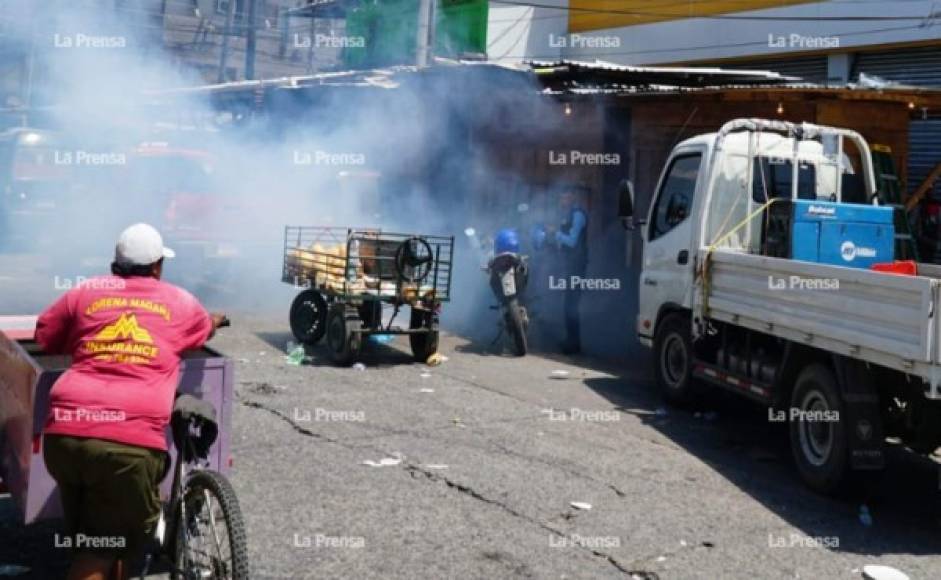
(626, 203)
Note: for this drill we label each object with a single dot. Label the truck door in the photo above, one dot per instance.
(668, 253)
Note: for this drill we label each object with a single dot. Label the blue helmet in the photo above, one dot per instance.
(506, 242)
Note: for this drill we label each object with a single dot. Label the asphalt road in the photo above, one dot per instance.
(488, 453)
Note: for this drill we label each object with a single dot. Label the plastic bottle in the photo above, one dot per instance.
(296, 354)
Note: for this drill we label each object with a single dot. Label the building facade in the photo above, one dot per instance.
(834, 42)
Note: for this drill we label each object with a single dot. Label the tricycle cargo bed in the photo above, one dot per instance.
(27, 375)
(884, 319)
(364, 263)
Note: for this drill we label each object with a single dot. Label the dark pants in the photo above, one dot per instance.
(573, 334)
(571, 311)
(108, 491)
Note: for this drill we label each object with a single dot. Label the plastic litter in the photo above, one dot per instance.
(426, 390)
(435, 466)
(865, 518)
(296, 356)
(425, 374)
(580, 505)
(434, 360)
(296, 353)
(386, 461)
(381, 338)
(358, 366)
(878, 572)
(559, 374)
(13, 570)
(661, 558)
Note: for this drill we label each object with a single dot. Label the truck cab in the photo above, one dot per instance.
(709, 185)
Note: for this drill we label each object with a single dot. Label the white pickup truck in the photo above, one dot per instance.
(847, 356)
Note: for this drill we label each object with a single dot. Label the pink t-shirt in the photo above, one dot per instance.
(126, 336)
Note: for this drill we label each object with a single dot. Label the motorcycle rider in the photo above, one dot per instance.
(571, 238)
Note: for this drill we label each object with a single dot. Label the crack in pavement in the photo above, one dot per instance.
(573, 472)
(426, 434)
(415, 469)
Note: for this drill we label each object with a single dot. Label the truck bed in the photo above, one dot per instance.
(880, 318)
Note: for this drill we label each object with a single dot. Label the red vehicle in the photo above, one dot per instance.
(183, 201)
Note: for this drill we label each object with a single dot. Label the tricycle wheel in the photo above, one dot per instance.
(309, 317)
(424, 344)
(343, 341)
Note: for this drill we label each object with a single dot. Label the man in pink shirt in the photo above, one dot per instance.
(105, 436)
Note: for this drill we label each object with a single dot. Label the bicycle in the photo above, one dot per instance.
(200, 530)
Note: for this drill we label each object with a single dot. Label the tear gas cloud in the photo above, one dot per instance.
(124, 146)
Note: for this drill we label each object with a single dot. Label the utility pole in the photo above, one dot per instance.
(250, 43)
(30, 69)
(224, 55)
(426, 33)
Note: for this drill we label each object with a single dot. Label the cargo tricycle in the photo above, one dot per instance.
(349, 276)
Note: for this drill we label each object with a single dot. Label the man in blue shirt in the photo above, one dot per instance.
(571, 238)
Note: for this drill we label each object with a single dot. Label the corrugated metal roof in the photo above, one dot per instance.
(572, 74)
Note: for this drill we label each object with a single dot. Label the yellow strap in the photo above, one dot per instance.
(717, 243)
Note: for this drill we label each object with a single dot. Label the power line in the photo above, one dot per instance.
(708, 47)
(717, 16)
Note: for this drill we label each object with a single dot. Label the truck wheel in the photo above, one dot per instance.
(342, 342)
(818, 435)
(309, 317)
(673, 350)
(424, 344)
(516, 326)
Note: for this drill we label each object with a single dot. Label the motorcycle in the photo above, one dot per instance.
(508, 279)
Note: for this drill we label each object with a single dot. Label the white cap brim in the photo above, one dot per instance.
(168, 253)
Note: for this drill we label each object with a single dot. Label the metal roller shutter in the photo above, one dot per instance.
(920, 67)
(924, 151)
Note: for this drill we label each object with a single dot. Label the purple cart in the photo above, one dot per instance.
(27, 375)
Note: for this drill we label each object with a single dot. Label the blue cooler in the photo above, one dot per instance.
(841, 234)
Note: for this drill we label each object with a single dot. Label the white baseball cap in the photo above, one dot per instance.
(140, 245)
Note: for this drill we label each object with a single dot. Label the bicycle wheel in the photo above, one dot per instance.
(211, 543)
